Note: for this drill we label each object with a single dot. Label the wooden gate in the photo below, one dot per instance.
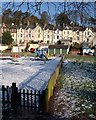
(23, 100)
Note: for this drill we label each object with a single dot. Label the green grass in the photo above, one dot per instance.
(19, 54)
(81, 57)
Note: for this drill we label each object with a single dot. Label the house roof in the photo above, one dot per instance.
(78, 28)
(58, 27)
(67, 28)
(94, 29)
(13, 27)
(58, 46)
(49, 26)
(43, 44)
(30, 26)
(21, 26)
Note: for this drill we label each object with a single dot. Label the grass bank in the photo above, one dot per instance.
(80, 57)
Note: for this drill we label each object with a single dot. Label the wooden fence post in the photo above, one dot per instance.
(45, 100)
(3, 95)
(14, 97)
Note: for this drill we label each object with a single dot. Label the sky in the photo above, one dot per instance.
(44, 6)
(52, 8)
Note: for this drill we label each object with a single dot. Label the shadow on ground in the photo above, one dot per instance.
(31, 116)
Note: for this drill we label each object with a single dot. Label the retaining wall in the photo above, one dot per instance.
(52, 83)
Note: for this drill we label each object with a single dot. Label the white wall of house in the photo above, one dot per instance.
(94, 38)
(24, 35)
(29, 34)
(67, 34)
(14, 36)
(38, 34)
(33, 46)
(16, 49)
(57, 35)
(48, 36)
(2, 47)
(20, 35)
(89, 35)
(78, 36)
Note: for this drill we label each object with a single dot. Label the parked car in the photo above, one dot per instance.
(88, 51)
(32, 50)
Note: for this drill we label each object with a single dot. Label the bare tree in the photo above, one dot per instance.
(77, 10)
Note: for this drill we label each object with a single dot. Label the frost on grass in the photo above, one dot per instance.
(78, 93)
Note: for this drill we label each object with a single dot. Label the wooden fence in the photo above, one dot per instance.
(22, 100)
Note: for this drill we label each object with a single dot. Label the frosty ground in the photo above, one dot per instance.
(27, 72)
(76, 99)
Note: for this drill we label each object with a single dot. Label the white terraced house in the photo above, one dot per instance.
(78, 34)
(94, 38)
(22, 33)
(38, 33)
(50, 34)
(67, 34)
(29, 34)
(90, 35)
(57, 34)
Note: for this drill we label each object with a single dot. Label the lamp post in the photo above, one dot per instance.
(43, 33)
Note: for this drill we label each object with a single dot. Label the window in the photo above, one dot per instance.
(39, 30)
(39, 36)
(21, 35)
(77, 38)
(20, 41)
(29, 35)
(67, 32)
(47, 36)
(77, 32)
(57, 31)
(87, 40)
(57, 37)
